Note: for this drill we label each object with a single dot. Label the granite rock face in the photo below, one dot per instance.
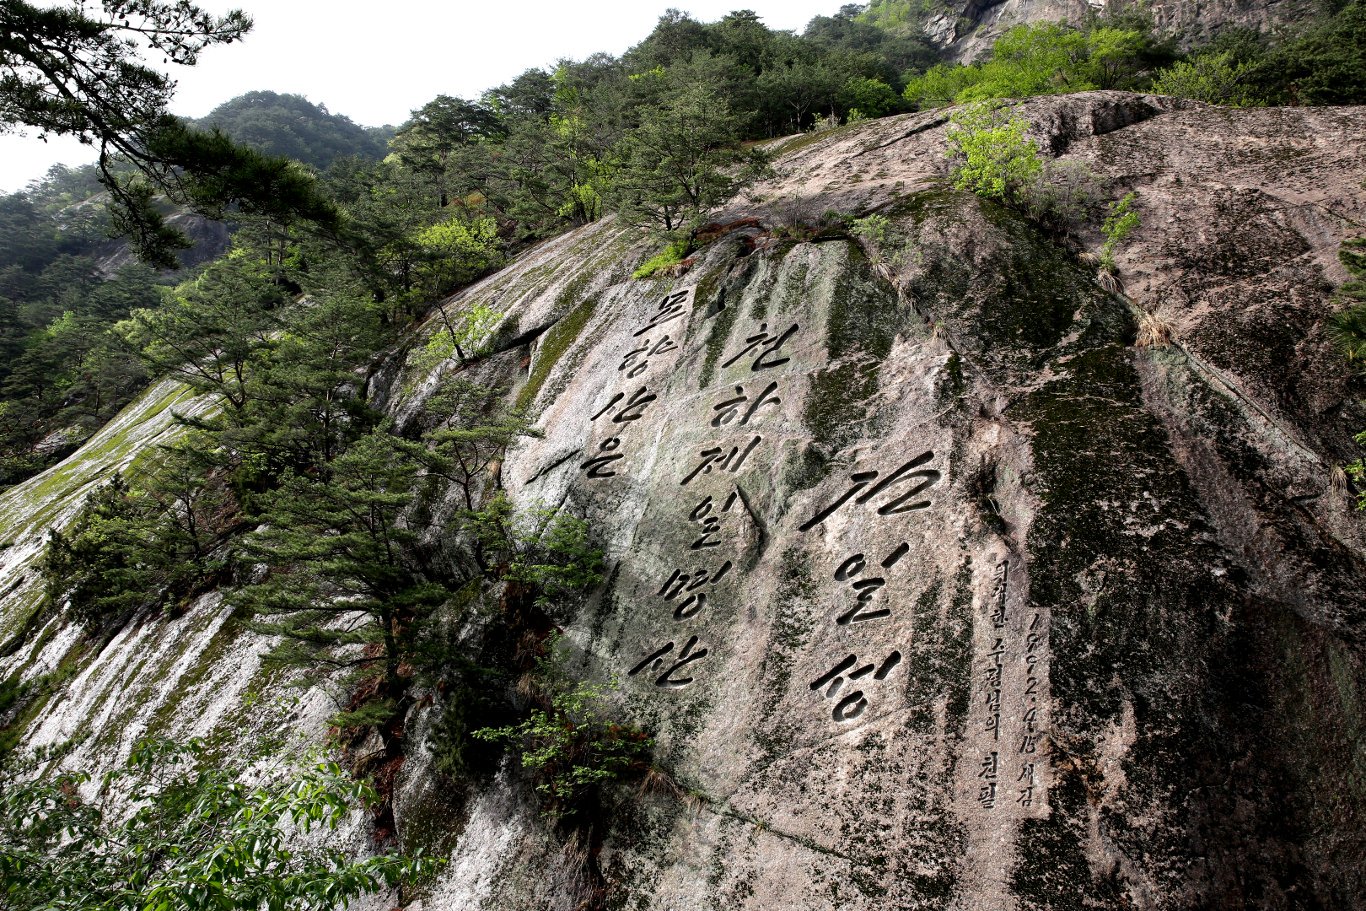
(935, 589)
(966, 29)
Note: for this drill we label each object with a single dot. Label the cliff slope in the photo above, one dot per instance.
(936, 589)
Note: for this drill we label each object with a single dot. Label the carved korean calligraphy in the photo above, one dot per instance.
(741, 406)
(905, 502)
(766, 345)
(668, 310)
(1010, 678)
(655, 660)
(689, 583)
(990, 773)
(718, 458)
(866, 586)
(1029, 737)
(637, 360)
(631, 410)
(708, 514)
(852, 704)
(597, 466)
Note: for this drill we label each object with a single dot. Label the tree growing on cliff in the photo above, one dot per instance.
(682, 160)
(145, 546)
(990, 153)
(343, 578)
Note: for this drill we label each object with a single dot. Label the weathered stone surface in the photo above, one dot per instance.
(966, 29)
(1109, 647)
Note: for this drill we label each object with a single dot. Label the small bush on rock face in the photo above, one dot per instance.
(1119, 224)
(991, 155)
(1065, 196)
(566, 745)
(670, 256)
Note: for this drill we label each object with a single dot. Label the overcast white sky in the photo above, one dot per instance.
(375, 62)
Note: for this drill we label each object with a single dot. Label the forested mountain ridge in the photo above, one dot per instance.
(292, 126)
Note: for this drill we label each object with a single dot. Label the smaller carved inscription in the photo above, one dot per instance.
(998, 594)
(989, 774)
(656, 659)
(637, 360)
(717, 458)
(853, 704)
(994, 670)
(1028, 782)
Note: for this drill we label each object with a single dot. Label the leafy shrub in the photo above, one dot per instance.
(671, 255)
(870, 97)
(1211, 78)
(566, 745)
(1039, 59)
(467, 335)
(173, 831)
(1064, 197)
(456, 251)
(990, 153)
(1119, 224)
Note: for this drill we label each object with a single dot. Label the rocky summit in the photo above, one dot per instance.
(944, 575)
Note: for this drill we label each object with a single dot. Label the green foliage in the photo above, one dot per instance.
(210, 328)
(1324, 63)
(544, 550)
(1044, 58)
(62, 372)
(874, 229)
(131, 549)
(291, 126)
(869, 97)
(469, 429)
(1211, 78)
(1118, 225)
(456, 251)
(173, 830)
(77, 71)
(467, 335)
(682, 160)
(567, 747)
(338, 565)
(991, 155)
(672, 254)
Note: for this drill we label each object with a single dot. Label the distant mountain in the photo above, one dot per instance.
(295, 127)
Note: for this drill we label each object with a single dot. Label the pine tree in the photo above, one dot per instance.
(346, 582)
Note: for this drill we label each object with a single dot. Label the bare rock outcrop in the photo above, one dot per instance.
(935, 588)
(966, 29)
